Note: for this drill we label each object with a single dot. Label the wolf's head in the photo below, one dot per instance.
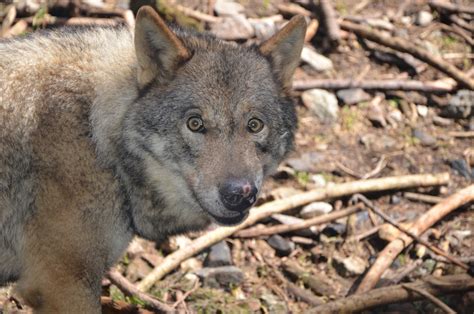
(213, 118)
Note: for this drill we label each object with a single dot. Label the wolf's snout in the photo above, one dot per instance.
(238, 194)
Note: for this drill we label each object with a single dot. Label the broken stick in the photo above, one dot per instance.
(250, 233)
(399, 293)
(363, 186)
(129, 289)
(425, 221)
(406, 85)
(403, 45)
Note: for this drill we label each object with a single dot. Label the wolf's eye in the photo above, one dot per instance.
(255, 125)
(195, 124)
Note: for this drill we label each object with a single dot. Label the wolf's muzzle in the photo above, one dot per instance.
(238, 194)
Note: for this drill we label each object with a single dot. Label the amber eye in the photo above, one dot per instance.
(255, 125)
(195, 124)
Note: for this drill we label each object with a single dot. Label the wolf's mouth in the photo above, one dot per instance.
(229, 220)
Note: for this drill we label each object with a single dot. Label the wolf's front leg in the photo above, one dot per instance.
(53, 287)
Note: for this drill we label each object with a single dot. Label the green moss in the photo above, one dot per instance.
(171, 14)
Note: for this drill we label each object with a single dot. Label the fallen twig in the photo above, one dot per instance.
(186, 294)
(250, 233)
(110, 306)
(399, 293)
(131, 290)
(400, 182)
(391, 221)
(467, 134)
(330, 21)
(430, 199)
(430, 297)
(425, 221)
(406, 85)
(402, 45)
(198, 15)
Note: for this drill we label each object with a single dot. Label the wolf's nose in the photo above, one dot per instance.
(238, 194)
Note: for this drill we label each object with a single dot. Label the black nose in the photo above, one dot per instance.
(238, 194)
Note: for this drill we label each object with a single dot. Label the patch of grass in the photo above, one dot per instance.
(348, 118)
(448, 41)
(207, 300)
(302, 177)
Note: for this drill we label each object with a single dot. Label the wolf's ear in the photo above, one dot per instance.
(284, 49)
(159, 51)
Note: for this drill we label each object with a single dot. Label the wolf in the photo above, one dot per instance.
(108, 133)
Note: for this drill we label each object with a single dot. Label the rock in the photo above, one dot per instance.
(306, 162)
(396, 115)
(219, 255)
(321, 103)
(460, 106)
(395, 199)
(335, 229)
(315, 209)
(273, 304)
(264, 28)
(233, 27)
(228, 8)
(282, 246)
(216, 277)
(318, 180)
(422, 110)
(461, 167)
(425, 138)
(423, 18)
(349, 266)
(376, 114)
(315, 60)
(378, 143)
(352, 96)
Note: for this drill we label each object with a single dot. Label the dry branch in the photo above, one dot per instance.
(432, 298)
(403, 45)
(330, 21)
(393, 294)
(250, 233)
(129, 289)
(407, 85)
(425, 221)
(400, 182)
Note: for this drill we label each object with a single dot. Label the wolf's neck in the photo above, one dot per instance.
(116, 89)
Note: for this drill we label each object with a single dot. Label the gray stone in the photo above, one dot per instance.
(228, 7)
(282, 246)
(315, 209)
(216, 277)
(315, 60)
(335, 229)
(349, 266)
(273, 304)
(233, 27)
(424, 138)
(306, 162)
(219, 255)
(378, 143)
(352, 96)
(461, 167)
(460, 106)
(321, 103)
(423, 18)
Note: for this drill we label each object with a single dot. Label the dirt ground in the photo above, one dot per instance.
(404, 132)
